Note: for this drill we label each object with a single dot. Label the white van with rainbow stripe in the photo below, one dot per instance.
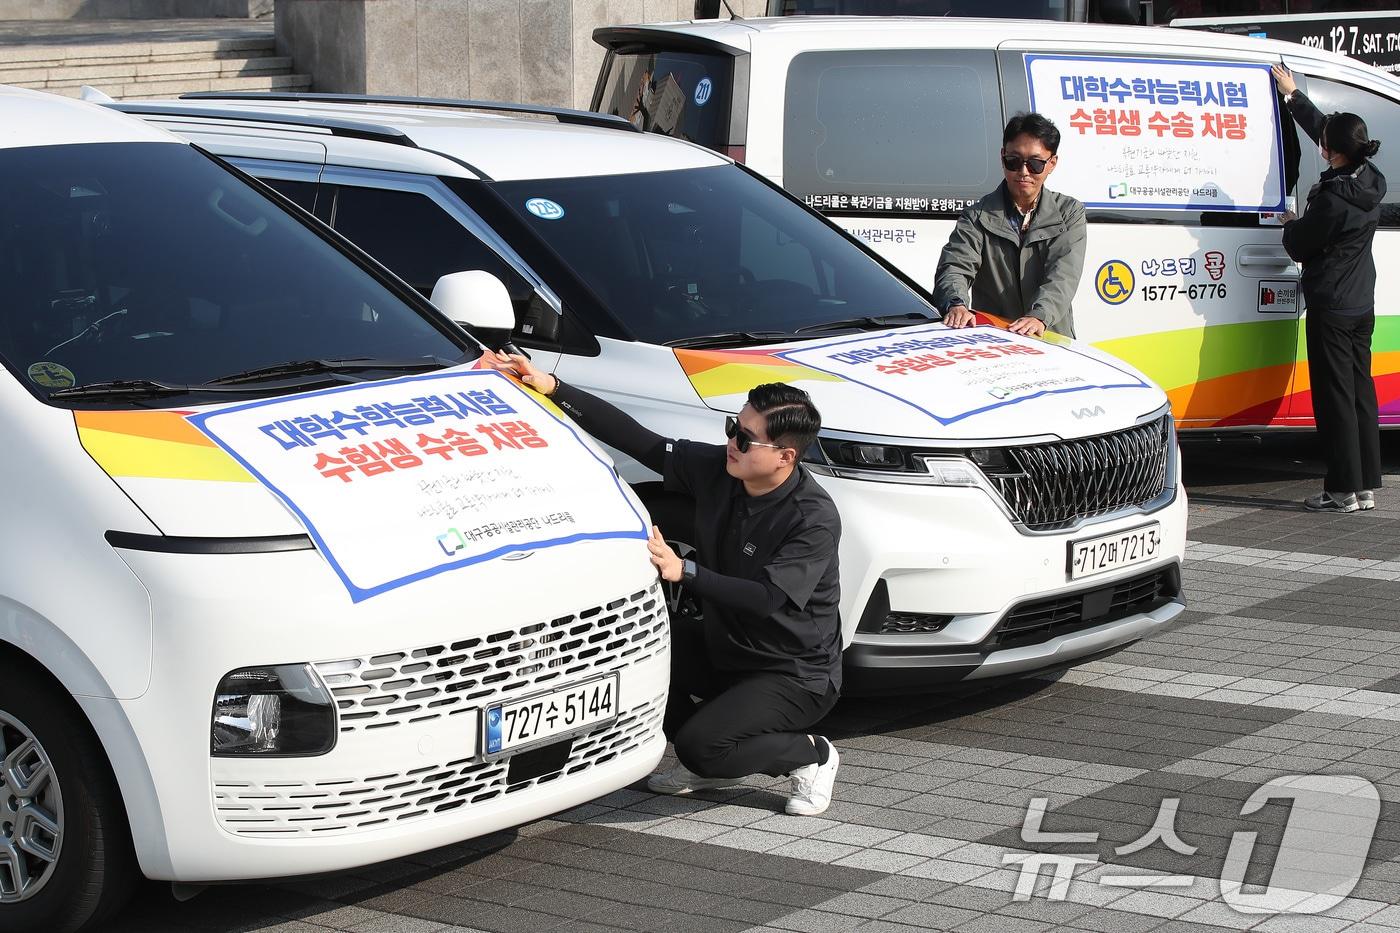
(1174, 139)
(1009, 504)
(288, 585)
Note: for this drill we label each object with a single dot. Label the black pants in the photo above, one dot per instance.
(1344, 399)
(746, 723)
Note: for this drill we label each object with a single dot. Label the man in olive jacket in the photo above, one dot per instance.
(1017, 253)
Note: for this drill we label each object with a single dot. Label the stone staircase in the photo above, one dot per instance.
(133, 59)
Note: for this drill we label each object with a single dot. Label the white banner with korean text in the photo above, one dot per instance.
(955, 374)
(1141, 133)
(407, 478)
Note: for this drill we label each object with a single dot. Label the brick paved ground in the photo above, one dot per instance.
(1289, 664)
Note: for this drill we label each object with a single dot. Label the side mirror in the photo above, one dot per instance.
(475, 299)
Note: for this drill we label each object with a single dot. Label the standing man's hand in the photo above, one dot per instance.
(517, 365)
(959, 316)
(1287, 217)
(1028, 326)
(666, 561)
(1284, 79)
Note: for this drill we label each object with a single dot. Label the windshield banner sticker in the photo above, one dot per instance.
(1162, 134)
(407, 478)
(950, 375)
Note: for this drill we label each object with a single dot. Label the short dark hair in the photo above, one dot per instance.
(1346, 133)
(788, 413)
(1032, 124)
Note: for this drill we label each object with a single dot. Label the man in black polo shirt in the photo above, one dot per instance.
(767, 663)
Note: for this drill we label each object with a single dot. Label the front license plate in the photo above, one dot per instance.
(544, 716)
(1108, 552)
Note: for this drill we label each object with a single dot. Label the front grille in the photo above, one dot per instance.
(285, 809)
(1054, 485)
(421, 684)
(1038, 621)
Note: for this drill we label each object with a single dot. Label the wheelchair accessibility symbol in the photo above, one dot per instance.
(1114, 282)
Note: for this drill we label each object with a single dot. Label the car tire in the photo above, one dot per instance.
(65, 851)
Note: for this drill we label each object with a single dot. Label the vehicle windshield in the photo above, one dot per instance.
(151, 263)
(688, 253)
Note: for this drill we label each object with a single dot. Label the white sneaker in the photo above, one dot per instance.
(812, 786)
(1332, 502)
(681, 780)
(1366, 499)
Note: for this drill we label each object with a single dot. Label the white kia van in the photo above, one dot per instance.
(1008, 504)
(1174, 139)
(316, 593)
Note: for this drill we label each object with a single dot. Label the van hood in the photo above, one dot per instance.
(937, 384)
(394, 481)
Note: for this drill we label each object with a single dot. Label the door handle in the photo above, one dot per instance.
(1264, 260)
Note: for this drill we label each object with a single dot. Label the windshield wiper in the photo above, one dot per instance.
(867, 323)
(318, 367)
(128, 388)
(731, 338)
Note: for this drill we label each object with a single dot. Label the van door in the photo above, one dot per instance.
(416, 227)
(1330, 89)
(892, 144)
(1203, 300)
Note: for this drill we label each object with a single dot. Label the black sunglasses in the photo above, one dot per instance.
(741, 438)
(1014, 163)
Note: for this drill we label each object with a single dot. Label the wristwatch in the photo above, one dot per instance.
(688, 571)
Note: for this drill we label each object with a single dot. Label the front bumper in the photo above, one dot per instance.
(892, 666)
(408, 771)
(953, 553)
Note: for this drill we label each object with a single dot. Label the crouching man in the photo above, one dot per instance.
(765, 665)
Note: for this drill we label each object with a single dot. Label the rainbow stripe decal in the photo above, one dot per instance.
(1249, 374)
(155, 444)
(714, 373)
(164, 445)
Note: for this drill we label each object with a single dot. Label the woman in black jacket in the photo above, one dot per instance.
(1333, 242)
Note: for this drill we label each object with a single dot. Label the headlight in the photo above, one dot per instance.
(952, 472)
(282, 710)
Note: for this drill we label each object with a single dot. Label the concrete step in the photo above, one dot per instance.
(131, 9)
(135, 90)
(96, 74)
(12, 55)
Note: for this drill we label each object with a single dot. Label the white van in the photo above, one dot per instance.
(1174, 139)
(1008, 504)
(288, 586)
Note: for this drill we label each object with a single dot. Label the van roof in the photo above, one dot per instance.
(862, 32)
(35, 118)
(466, 143)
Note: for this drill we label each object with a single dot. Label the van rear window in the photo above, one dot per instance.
(681, 94)
(904, 132)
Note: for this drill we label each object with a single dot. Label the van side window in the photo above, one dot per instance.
(302, 193)
(682, 94)
(419, 241)
(1382, 117)
(892, 131)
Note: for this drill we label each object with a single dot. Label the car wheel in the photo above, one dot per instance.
(65, 853)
